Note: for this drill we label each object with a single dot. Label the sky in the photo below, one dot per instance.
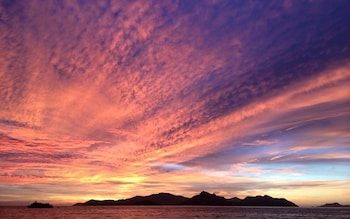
(112, 99)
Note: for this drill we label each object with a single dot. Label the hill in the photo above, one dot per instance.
(204, 198)
(335, 204)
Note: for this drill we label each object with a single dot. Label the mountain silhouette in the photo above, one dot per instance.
(154, 199)
(265, 201)
(204, 198)
(39, 205)
(335, 204)
(234, 201)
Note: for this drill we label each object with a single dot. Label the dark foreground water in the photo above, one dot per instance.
(174, 212)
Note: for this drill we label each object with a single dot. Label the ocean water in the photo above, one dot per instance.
(173, 212)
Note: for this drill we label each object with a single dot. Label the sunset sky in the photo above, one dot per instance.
(112, 99)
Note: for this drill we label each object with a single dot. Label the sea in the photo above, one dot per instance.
(173, 212)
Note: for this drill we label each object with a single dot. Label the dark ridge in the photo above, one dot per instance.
(234, 201)
(93, 202)
(39, 205)
(155, 199)
(204, 198)
(266, 201)
(334, 205)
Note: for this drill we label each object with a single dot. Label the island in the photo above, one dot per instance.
(203, 199)
(333, 205)
(39, 205)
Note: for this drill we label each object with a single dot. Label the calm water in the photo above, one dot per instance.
(174, 212)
